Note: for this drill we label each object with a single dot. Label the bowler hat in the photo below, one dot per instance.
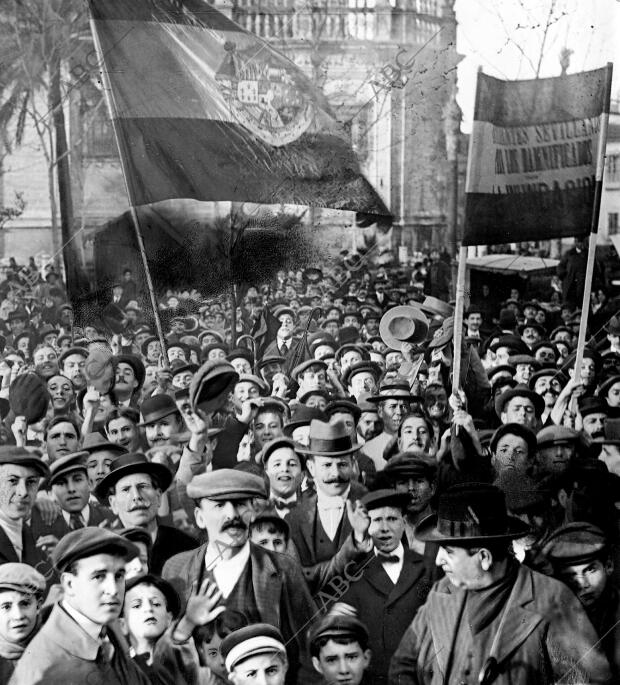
(511, 341)
(173, 603)
(157, 407)
(241, 353)
(403, 324)
(301, 415)
(249, 641)
(515, 429)
(504, 369)
(29, 397)
(550, 371)
(20, 456)
(226, 484)
(470, 513)
(436, 307)
(86, 542)
(135, 363)
(128, 464)
(385, 498)
(519, 391)
(397, 389)
(342, 406)
(329, 440)
(72, 350)
(211, 385)
(532, 323)
(275, 444)
(592, 405)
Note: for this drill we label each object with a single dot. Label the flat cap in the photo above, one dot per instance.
(342, 406)
(304, 366)
(556, 435)
(275, 444)
(519, 391)
(385, 498)
(575, 543)
(338, 626)
(11, 454)
(409, 465)
(211, 384)
(86, 542)
(76, 461)
(258, 638)
(22, 578)
(226, 484)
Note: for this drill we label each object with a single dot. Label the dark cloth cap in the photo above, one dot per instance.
(344, 406)
(301, 415)
(72, 350)
(470, 513)
(588, 353)
(95, 442)
(511, 341)
(276, 443)
(87, 542)
(575, 543)
(211, 385)
(258, 638)
(385, 498)
(241, 353)
(338, 626)
(410, 465)
(519, 391)
(592, 405)
(67, 464)
(304, 366)
(226, 484)
(137, 535)
(157, 407)
(515, 429)
(606, 385)
(173, 602)
(548, 371)
(360, 367)
(269, 359)
(11, 454)
(501, 368)
(133, 462)
(21, 578)
(29, 397)
(348, 347)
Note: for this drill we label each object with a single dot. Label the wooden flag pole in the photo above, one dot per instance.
(598, 188)
(457, 336)
(109, 96)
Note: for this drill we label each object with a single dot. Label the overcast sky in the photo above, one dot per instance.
(504, 37)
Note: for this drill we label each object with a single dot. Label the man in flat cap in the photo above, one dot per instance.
(580, 555)
(491, 620)
(392, 586)
(267, 587)
(20, 475)
(79, 642)
(254, 654)
(134, 488)
(21, 595)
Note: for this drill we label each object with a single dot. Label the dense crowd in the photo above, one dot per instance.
(304, 499)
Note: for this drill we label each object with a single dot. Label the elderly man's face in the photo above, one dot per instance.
(18, 490)
(241, 366)
(414, 434)
(369, 425)
(135, 500)
(463, 570)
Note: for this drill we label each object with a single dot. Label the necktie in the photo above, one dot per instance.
(75, 521)
(106, 648)
(284, 349)
(387, 558)
(283, 504)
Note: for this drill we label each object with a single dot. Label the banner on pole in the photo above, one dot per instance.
(533, 153)
(206, 110)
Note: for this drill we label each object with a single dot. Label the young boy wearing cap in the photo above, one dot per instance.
(21, 594)
(78, 643)
(208, 640)
(271, 532)
(255, 653)
(339, 649)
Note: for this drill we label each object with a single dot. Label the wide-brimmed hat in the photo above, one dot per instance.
(211, 385)
(470, 513)
(519, 391)
(157, 407)
(604, 387)
(511, 341)
(29, 397)
(329, 440)
(396, 389)
(133, 462)
(436, 307)
(301, 415)
(403, 324)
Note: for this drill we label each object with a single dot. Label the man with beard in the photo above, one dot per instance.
(436, 408)
(68, 482)
(71, 363)
(265, 586)
(62, 395)
(473, 321)
(121, 428)
(270, 366)
(62, 437)
(369, 424)
(129, 371)
(593, 412)
(79, 642)
(20, 474)
(134, 488)
(361, 379)
(393, 402)
(161, 420)
(393, 584)
(580, 554)
(329, 528)
(45, 361)
(548, 383)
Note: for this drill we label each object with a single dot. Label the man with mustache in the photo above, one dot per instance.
(593, 412)
(79, 642)
(134, 489)
(45, 361)
(265, 586)
(548, 383)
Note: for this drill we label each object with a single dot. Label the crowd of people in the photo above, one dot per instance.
(305, 499)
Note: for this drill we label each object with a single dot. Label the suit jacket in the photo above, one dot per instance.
(282, 598)
(301, 521)
(273, 349)
(61, 653)
(387, 609)
(59, 527)
(546, 634)
(168, 542)
(31, 554)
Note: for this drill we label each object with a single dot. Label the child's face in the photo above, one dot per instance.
(263, 668)
(18, 615)
(342, 663)
(269, 538)
(146, 615)
(212, 658)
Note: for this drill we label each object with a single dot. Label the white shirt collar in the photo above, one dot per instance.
(399, 552)
(274, 496)
(324, 500)
(85, 513)
(91, 628)
(226, 571)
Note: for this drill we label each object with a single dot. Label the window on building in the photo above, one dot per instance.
(613, 169)
(612, 223)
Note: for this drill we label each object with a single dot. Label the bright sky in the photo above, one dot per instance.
(504, 37)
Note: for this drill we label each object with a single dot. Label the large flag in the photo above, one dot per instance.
(206, 110)
(533, 155)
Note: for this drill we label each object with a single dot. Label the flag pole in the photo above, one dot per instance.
(598, 188)
(109, 96)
